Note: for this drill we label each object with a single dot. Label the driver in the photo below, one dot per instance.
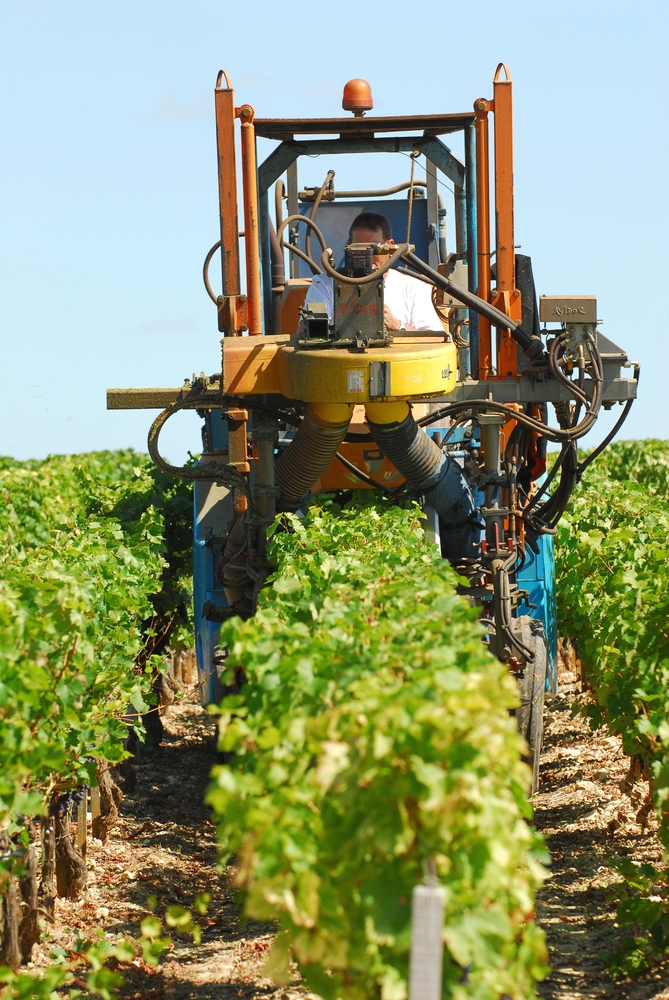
(408, 301)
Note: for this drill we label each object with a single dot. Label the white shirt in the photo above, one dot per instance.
(408, 299)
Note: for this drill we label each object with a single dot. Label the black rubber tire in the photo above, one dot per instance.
(532, 691)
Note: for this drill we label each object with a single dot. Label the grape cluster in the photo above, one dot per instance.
(62, 803)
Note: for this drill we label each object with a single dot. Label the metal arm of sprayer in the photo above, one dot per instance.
(531, 346)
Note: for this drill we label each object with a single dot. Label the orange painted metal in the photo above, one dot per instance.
(510, 303)
(224, 98)
(507, 297)
(357, 97)
(251, 366)
(481, 109)
(232, 315)
(237, 440)
(366, 457)
(251, 224)
(291, 302)
(503, 100)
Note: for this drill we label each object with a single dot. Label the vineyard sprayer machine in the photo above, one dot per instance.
(324, 388)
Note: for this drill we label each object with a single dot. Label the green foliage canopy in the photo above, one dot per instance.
(83, 550)
(373, 736)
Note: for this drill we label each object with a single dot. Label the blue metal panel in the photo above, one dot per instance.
(538, 577)
(206, 632)
(209, 519)
(334, 220)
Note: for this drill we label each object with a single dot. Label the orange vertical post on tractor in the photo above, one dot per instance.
(224, 98)
(251, 226)
(481, 108)
(507, 298)
(506, 261)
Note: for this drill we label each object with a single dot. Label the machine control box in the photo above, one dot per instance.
(568, 309)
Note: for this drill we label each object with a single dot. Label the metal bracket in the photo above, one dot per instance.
(379, 379)
(237, 441)
(233, 315)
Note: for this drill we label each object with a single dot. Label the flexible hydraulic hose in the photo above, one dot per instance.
(362, 476)
(411, 450)
(278, 277)
(558, 434)
(612, 433)
(314, 209)
(502, 602)
(315, 444)
(532, 347)
(315, 269)
(296, 250)
(428, 470)
(307, 222)
(205, 272)
(211, 472)
(327, 257)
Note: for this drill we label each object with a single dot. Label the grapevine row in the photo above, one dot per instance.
(372, 744)
(613, 569)
(89, 591)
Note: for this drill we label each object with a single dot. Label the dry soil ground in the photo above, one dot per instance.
(164, 846)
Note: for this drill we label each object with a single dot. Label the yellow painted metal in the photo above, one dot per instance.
(387, 413)
(250, 365)
(341, 376)
(274, 365)
(332, 413)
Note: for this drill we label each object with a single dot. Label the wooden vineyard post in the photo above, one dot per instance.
(46, 897)
(82, 822)
(10, 953)
(104, 808)
(95, 805)
(70, 866)
(29, 930)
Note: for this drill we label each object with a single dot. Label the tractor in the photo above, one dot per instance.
(319, 396)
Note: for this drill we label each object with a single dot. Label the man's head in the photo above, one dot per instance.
(374, 228)
(370, 227)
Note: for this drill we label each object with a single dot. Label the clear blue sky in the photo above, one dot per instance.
(109, 197)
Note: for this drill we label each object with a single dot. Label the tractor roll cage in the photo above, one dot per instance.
(360, 135)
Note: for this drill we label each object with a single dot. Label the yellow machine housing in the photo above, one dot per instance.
(410, 368)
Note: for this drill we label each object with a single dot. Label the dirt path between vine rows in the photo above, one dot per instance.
(164, 846)
(588, 820)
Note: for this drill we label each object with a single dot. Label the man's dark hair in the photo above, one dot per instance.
(371, 220)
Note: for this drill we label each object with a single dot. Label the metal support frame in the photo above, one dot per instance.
(432, 213)
(460, 219)
(434, 149)
(251, 230)
(293, 209)
(224, 100)
(482, 107)
(265, 261)
(472, 243)
(265, 437)
(284, 158)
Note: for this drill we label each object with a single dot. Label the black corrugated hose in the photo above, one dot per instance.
(439, 479)
(306, 458)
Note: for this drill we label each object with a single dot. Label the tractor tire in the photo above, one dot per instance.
(532, 690)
